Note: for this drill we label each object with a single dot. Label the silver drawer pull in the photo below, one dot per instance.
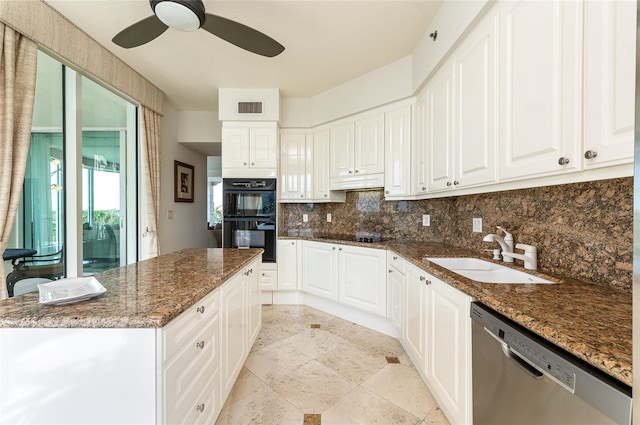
(200, 407)
(200, 345)
(200, 309)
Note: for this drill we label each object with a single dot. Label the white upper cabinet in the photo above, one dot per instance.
(368, 157)
(397, 175)
(293, 165)
(540, 91)
(475, 118)
(419, 148)
(341, 150)
(610, 46)
(440, 140)
(249, 149)
(304, 167)
(356, 150)
(461, 117)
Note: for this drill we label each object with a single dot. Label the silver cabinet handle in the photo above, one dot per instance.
(448, 183)
(253, 163)
(326, 196)
(200, 309)
(200, 345)
(302, 196)
(200, 407)
(350, 172)
(339, 249)
(386, 192)
(357, 171)
(293, 243)
(590, 154)
(334, 248)
(456, 182)
(395, 257)
(424, 188)
(422, 278)
(390, 271)
(244, 163)
(563, 161)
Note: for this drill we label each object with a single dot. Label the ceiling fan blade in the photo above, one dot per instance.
(242, 36)
(140, 33)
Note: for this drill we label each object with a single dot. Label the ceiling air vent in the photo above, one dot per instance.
(249, 107)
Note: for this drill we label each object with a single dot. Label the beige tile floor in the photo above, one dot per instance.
(337, 373)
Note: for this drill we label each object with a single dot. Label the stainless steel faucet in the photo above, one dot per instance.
(506, 243)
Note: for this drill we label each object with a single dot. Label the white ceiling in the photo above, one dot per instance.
(326, 43)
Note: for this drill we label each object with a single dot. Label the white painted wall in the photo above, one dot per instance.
(199, 127)
(188, 227)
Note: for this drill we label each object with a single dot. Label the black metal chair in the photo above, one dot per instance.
(48, 266)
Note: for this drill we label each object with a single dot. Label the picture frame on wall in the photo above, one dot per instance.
(182, 182)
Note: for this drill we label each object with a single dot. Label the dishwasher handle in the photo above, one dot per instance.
(524, 365)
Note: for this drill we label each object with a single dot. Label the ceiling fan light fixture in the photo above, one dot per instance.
(183, 15)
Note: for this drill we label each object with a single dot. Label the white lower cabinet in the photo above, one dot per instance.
(449, 350)
(362, 279)
(414, 313)
(350, 275)
(396, 285)
(320, 269)
(288, 254)
(437, 338)
(269, 277)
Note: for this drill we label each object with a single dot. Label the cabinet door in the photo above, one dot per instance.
(419, 151)
(395, 297)
(235, 147)
(369, 146)
(397, 175)
(320, 269)
(263, 147)
(449, 348)
(540, 91)
(440, 129)
(233, 331)
(288, 265)
(610, 46)
(475, 117)
(293, 157)
(254, 306)
(320, 167)
(362, 278)
(415, 316)
(341, 151)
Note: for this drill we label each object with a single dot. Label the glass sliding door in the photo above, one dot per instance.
(81, 170)
(104, 159)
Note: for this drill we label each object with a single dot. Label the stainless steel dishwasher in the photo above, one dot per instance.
(519, 378)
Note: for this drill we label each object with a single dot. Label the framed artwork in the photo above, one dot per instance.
(182, 182)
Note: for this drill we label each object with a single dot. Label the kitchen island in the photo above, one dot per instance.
(160, 346)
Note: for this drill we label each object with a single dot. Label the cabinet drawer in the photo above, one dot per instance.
(396, 262)
(205, 408)
(269, 277)
(180, 330)
(189, 371)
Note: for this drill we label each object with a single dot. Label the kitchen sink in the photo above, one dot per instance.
(486, 271)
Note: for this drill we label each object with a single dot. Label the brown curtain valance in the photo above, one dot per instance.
(43, 24)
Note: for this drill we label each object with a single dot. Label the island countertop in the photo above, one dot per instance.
(145, 294)
(592, 322)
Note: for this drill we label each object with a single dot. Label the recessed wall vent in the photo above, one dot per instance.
(249, 107)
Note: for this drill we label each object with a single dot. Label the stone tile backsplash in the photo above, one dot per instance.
(582, 230)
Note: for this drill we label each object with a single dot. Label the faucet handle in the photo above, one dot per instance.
(495, 252)
(507, 235)
(528, 249)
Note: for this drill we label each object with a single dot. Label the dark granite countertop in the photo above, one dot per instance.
(592, 322)
(146, 294)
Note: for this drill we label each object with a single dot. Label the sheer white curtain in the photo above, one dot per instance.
(151, 122)
(18, 58)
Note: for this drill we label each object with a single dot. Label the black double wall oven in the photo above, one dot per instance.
(249, 215)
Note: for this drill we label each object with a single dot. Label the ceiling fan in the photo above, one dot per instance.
(189, 15)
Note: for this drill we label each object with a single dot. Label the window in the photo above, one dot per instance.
(80, 185)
